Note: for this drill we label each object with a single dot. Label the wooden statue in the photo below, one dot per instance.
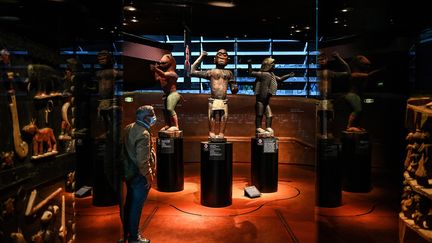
(6, 160)
(41, 137)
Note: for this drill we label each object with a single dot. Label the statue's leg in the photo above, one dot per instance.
(49, 145)
(223, 121)
(354, 101)
(35, 147)
(259, 110)
(172, 101)
(41, 146)
(165, 115)
(211, 118)
(269, 119)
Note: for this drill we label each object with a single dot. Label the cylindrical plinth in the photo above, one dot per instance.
(216, 174)
(356, 159)
(170, 169)
(264, 166)
(329, 174)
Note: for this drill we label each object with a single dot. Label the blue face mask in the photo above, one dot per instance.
(152, 120)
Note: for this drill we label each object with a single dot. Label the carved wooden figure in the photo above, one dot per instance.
(41, 137)
(6, 160)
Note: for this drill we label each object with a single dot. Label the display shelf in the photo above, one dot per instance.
(426, 192)
(425, 234)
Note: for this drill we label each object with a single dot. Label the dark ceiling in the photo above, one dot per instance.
(58, 22)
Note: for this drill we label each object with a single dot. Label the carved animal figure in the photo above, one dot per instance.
(41, 137)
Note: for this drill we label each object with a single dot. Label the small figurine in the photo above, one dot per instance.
(6, 160)
(265, 87)
(40, 138)
(219, 81)
(18, 237)
(166, 75)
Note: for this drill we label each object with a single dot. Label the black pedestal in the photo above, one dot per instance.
(264, 165)
(329, 174)
(170, 169)
(356, 159)
(103, 192)
(216, 174)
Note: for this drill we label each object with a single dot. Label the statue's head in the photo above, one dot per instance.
(221, 59)
(267, 65)
(322, 59)
(167, 63)
(105, 59)
(360, 63)
(31, 128)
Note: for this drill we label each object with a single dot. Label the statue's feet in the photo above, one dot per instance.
(355, 129)
(270, 131)
(173, 129)
(220, 135)
(164, 128)
(212, 135)
(261, 131)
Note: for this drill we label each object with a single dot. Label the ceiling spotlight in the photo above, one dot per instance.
(347, 9)
(134, 20)
(222, 4)
(129, 6)
(336, 21)
(298, 31)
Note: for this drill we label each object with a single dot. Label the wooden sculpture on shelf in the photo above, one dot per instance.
(44, 79)
(66, 127)
(18, 237)
(6, 160)
(21, 147)
(41, 137)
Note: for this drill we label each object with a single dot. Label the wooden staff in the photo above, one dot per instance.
(62, 230)
(45, 201)
(30, 203)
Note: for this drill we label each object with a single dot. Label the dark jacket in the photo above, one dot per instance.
(138, 155)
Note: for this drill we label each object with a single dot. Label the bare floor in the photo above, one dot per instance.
(288, 215)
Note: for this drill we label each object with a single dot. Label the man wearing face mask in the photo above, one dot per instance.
(138, 160)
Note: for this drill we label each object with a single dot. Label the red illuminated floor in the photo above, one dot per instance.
(289, 215)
